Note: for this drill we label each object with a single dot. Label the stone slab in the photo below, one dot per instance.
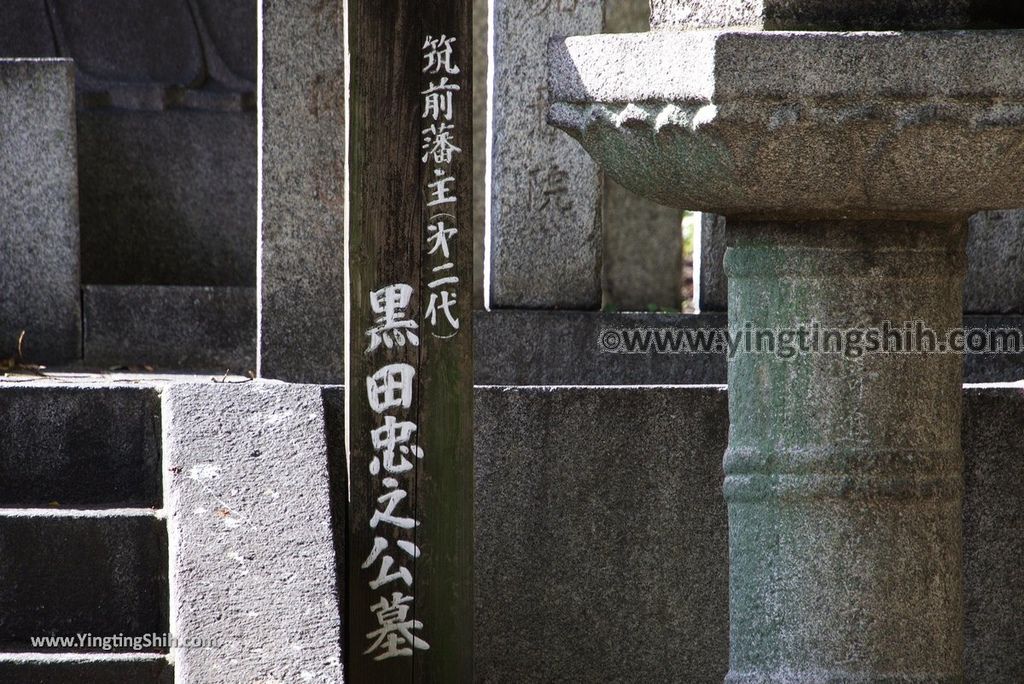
(603, 506)
(168, 198)
(231, 29)
(250, 506)
(170, 328)
(995, 263)
(39, 239)
(26, 30)
(643, 253)
(601, 541)
(545, 221)
(124, 41)
(79, 446)
(711, 288)
(302, 249)
(565, 348)
(69, 572)
(36, 668)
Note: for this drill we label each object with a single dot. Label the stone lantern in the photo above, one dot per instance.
(846, 143)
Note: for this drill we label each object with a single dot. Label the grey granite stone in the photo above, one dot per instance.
(627, 16)
(53, 668)
(168, 198)
(773, 124)
(170, 328)
(601, 539)
(79, 447)
(26, 30)
(250, 506)
(993, 438)
(812, 15)
(995, 263)
(64, 573)
(126, 41)
(567, 348)
(39, 240)
(564, 348)
(643, 252)
(711, 289)
(302, 248)
(481, 22)
(229, 28)
(545, 224)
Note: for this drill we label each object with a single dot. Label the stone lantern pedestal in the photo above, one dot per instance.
(846, 164)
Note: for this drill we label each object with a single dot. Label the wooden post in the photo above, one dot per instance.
(410, 385)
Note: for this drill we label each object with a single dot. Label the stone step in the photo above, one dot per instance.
(70, 572)
(79, 445)
(61, 668)
(170, 327)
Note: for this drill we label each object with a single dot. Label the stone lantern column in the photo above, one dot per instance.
(846, 147)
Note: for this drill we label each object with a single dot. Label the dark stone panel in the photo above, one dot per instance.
(69, 573)
(231, 26)
(170, 328)
(601, 536)
(25, 30)
(131, 41)
(23, 668)
(79, 447)
(168, 198)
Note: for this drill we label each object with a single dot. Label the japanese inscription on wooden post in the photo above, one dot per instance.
(410, 554)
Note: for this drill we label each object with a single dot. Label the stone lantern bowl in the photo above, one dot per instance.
(795, 124)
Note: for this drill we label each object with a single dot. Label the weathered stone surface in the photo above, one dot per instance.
(61, 668)
(39, 241)
(995, 263)
(993, 439)
(168, 198)
(64, 573)
(601, 539)
(230, 27)
(26, 30)
(627, 16)
(711, 290)
(811, 15)
(79, 446)
(545, 224)
(844, 475)
(990, 367)
(170, 328)
(643, 252)
(569, 348)
(773, 124)
(250, 507)
(567, 515)
(125, 41)
(302, 314)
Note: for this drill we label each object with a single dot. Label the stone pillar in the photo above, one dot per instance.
(843, 475)
(39, 237)
(301, 308)
(544, 236)
(710, 292)
(995, 263)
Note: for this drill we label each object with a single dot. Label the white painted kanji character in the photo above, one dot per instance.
(384, 575)
(439, 189)
(395, 636)
(442, 302)
(437, 103)
(392, 327)
(390, 387)
(438, 233)
(438, 142)
(392, 438)
(391, 500)
(438, 53)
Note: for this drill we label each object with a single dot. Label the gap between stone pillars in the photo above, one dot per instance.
(844, 475)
